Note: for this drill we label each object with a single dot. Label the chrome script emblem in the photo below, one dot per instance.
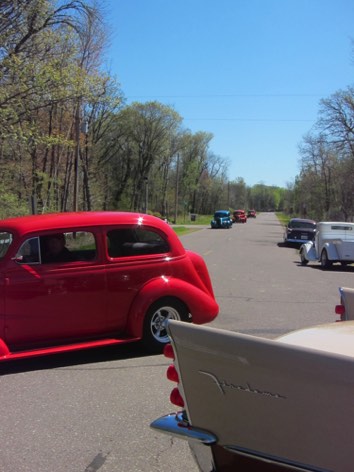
(224, 385)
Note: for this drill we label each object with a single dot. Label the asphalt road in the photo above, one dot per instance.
(91, 411)
(260, 285)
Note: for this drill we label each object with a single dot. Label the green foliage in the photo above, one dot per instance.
(182, 230)
(11, 205)
(264, 198)
(283, 218)
(199, 220)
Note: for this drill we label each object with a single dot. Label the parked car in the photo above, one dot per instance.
(334, 242)
(345, 309)
(239, 216)
(222, 219)
(299, 231)
(251, 214)
(79, 280)
(247, 403)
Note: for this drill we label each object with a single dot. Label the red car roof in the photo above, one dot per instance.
(34, 223)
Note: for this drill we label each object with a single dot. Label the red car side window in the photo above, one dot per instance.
(29, 252)
(135, 242)
(68, 247)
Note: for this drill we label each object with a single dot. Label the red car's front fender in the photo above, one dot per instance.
(201, 305)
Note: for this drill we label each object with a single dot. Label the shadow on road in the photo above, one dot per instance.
(289, 245)
(334, 268)
(87, 356)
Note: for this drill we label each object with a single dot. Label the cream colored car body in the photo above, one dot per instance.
(286, 403)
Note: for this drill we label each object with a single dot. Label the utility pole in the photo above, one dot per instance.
(86, 195)
(146, 180)
(176, 189)
(77, 157)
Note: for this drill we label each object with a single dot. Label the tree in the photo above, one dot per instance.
(337, 119)
(141, 135)
(318, 160)
(194, 163)
(325, 184)
(49, 73)
(238, 194)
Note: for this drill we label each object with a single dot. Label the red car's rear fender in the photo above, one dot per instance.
(200, 304)
(202, 271)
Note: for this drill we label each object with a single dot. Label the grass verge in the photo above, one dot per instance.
(181, 230)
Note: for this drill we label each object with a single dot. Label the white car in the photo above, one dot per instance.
(334, 242)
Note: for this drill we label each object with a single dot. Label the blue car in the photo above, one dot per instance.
(222, 219)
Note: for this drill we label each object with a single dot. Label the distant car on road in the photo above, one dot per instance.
(299, 231)
(251, 214)
(239, 216)
(222, 219)
(78, 280)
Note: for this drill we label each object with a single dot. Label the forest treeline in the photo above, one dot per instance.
(68, 140)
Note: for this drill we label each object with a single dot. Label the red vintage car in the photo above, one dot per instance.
(78, 280)
(239, 216)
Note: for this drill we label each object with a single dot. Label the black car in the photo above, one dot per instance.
(299, 231)
(222, 219)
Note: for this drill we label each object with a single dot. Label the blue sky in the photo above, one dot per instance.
(251, 72)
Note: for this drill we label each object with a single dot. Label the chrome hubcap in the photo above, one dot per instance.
(159, 320)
